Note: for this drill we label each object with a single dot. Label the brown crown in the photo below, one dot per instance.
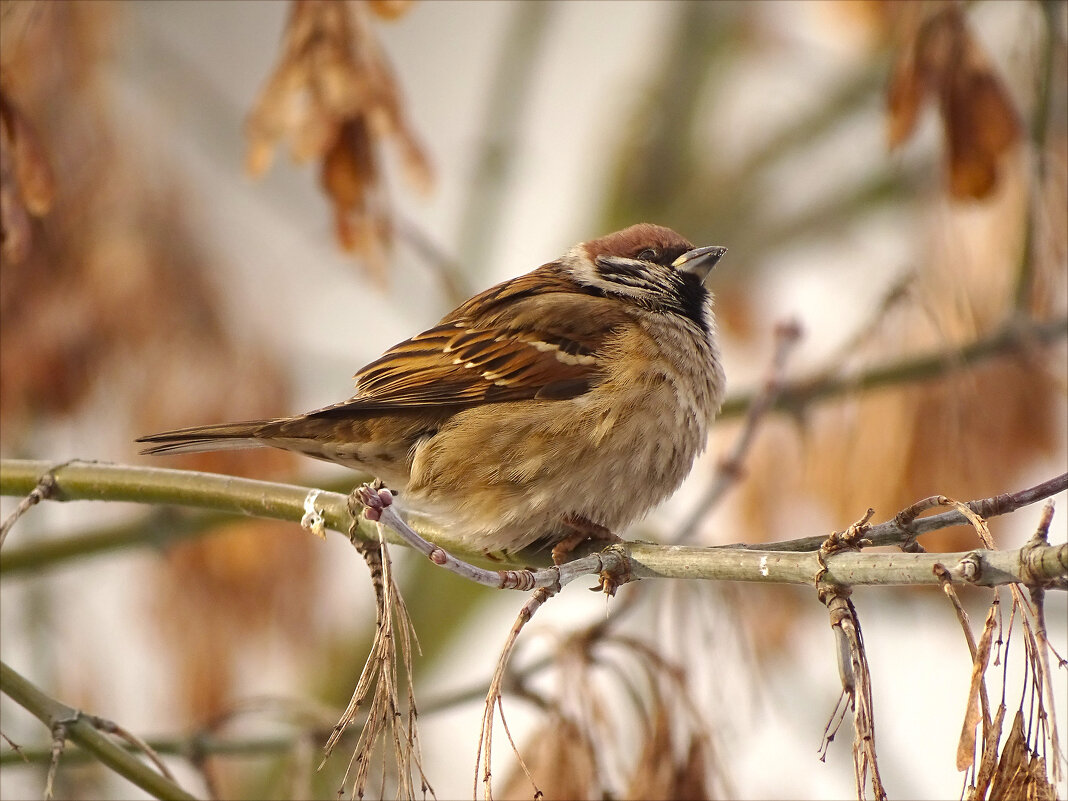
(633, 240)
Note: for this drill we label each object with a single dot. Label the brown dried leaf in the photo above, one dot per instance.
(334, 97)
(981, 126)
(988, 762)
(1021, 774)
(27, 187)
(562, 758)
(910, 79)
(360, 214)
(973, 710)
(390, 9)
(979, 120)
(32, 171)
(904, 96)
(15, 232)
(349, 169)
(659, 773)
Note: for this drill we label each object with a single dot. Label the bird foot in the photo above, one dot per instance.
(582, 530)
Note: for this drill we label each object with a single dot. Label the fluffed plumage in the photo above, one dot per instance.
(572, 398)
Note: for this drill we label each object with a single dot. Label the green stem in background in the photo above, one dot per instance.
(874, 191)
(797, 395)
(157, 529)
(740, 200)
(1025, 277)
(183, 747)
(656, 160)
(806, 128)
(80, 729)
(508, 94)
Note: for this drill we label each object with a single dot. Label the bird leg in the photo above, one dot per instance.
(582, 530)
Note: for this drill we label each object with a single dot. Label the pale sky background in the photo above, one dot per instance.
(188, 72)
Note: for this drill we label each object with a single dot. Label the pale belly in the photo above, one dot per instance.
(528, 466)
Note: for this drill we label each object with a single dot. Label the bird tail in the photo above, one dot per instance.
(198, 439)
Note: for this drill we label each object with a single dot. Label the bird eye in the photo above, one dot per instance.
(647, 255)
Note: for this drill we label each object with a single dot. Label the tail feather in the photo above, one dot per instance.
(198, 439)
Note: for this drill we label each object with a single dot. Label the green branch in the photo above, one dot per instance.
(196, 745)
(100, 481)
(81, 730)
(157, 529)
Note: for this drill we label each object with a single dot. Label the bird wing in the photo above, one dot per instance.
(534, 337)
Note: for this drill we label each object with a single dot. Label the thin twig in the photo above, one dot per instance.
(799, 394)
(837, 718)
(1025, 274)
(1034, 634)
(59, 742)
(904, 526)
(980, 654)
(16, 749)
(393, 633)
(609, 562)
(1038, 595)
(46, 486)
(857, 686)
(484, 754)
(851, 655)
(111, 727)
(512, 79)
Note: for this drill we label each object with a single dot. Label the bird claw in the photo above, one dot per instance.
(608, 581)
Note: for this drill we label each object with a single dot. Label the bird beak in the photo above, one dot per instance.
(699, 261)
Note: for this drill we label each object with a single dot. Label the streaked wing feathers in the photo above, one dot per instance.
(517, 341)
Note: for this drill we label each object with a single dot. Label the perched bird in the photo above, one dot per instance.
(554, 407)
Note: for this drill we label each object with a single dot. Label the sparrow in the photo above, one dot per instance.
(552, 408)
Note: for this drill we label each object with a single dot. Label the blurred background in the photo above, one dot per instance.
(221, 211)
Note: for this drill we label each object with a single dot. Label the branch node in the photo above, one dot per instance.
(45, 489)
(59, 744)
(856, 683)
(1041, 566)
(615, 570)
(313, 520)
(970, 567)
(522, 580)
(852, 539)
